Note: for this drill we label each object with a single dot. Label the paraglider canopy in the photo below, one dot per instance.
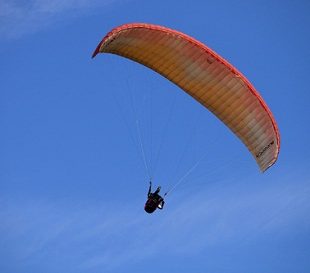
(205, 76)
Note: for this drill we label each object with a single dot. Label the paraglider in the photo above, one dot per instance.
(154, 200)
(206, 77)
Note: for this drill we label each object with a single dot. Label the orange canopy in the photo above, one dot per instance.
(205, 76)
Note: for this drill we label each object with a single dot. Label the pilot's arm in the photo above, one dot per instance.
(150, 189)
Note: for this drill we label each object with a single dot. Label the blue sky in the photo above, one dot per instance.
(72, 180)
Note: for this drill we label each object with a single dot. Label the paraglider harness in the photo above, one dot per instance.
(154, 200)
